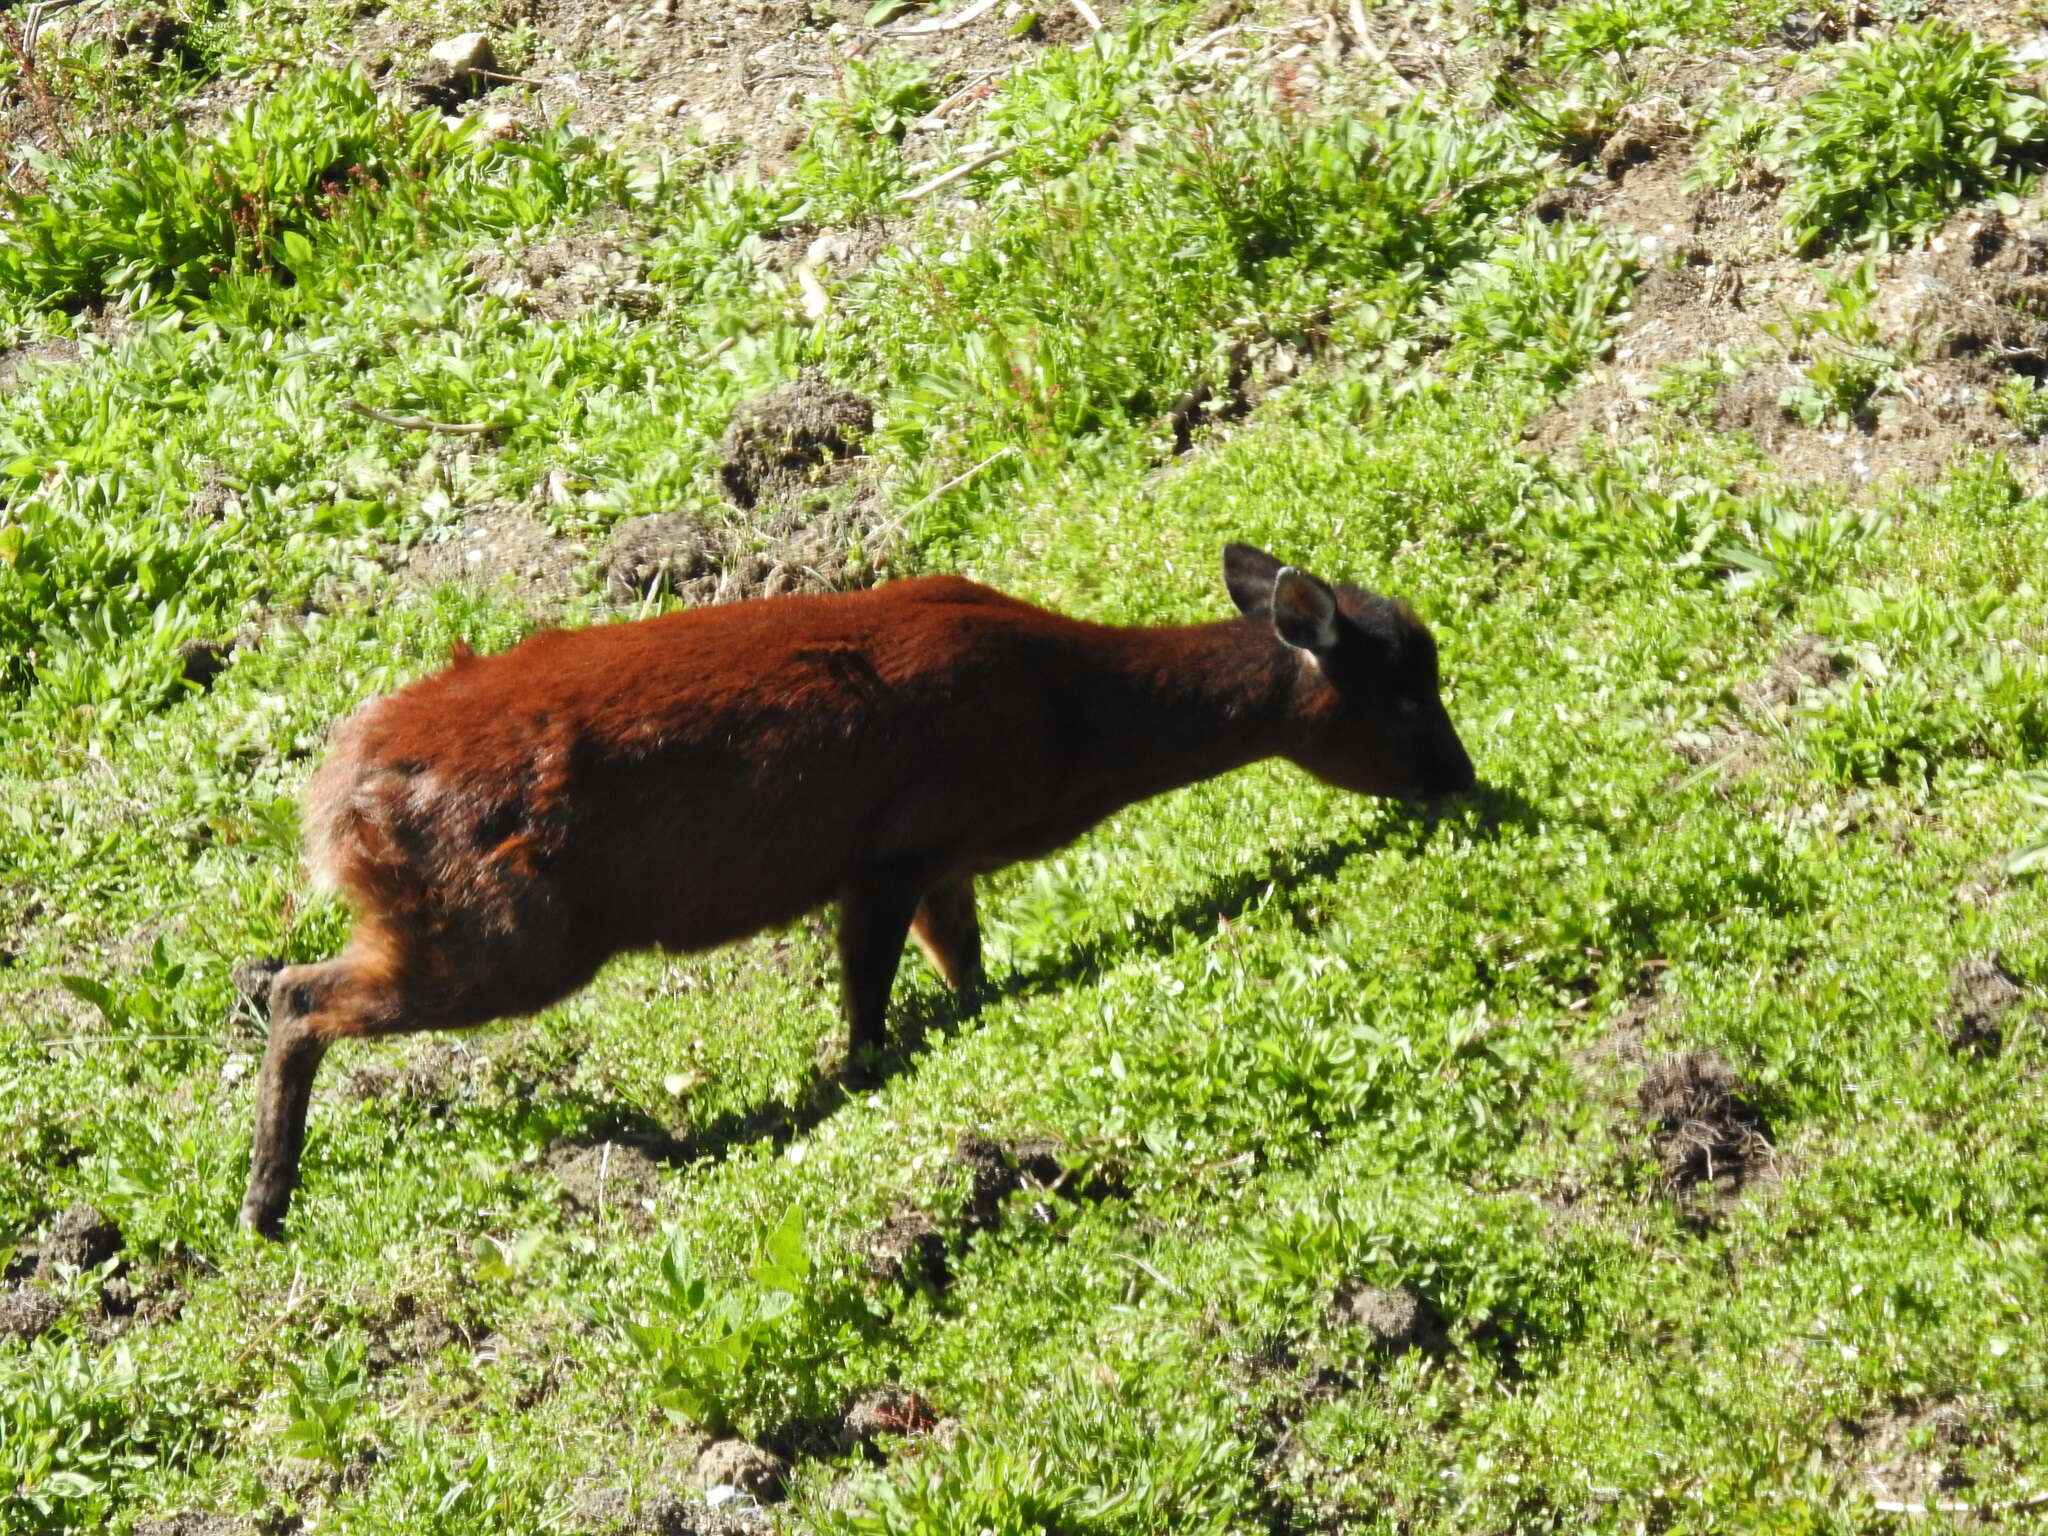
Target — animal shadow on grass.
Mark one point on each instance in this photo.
(1485, 811)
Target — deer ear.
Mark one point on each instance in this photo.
(1248, 575)
(1304, 611)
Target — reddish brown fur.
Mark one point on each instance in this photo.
(507, 824)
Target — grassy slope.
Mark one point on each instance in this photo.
(1306, 1040)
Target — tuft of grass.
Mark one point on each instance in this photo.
(1909, 125)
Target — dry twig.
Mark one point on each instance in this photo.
(947, 178)
(420, 423)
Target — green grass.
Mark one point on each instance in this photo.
(1288, 1040)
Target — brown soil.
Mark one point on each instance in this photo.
(251, 980)
(1395, 1320)
(672, 552)
(1805, 664)
(741, 74)
(1981, 993)
(434, 1075)
(18, 363)
(27, 1313)
(794, 440)
(610, 1511)
(556, 278)
(609, 1179)
(1915, 1452)
(1962, 313)
(411, 1330)
(742, 1465)
(882, 1414)
(196, 1523)
(81, 1238)
(1710, 1142)
(995, 1170)
(907, 1250)
(501, 544)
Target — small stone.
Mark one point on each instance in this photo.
(498, 123)
(714, 127)
(467, 53)
(669, 105)
(742, 1465)
(2033, 51)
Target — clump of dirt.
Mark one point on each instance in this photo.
(28, 1313)
(558, 278)
(879, 1414)
(1396, 1319)
(663, 551)
(908, 1250)
(204, 660)
(197, 1523)
(434, 1075)
(82, 1238)
(412, 1330)
(1710, 1141)
(995, 1170)
(793, 440)
(706, 566)
(160, 38)
(1981, 992)
(501, 544)
(743, 1465)
(1733, 753)
(609, 1179)
(1915, 1452)
(1805, 664)
(18, 363)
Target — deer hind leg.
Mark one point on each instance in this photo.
(383, 984)
(948, 932)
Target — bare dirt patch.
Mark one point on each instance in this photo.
(609, 1179)
(1395, 1319)
(1962, 314)
(800, 552)
(1982, 992)
(1804, 665)
(995, 1170)
(744, 73)
(197, 1523)
(555, 279)
(434, 1076)
(501, 544)
(880, 1415)
(908, 1250)
(19, 364)
(28, 1313)
(1915, 1452)
(793, 441)
(1710, 1141)
(81, 1238)
(743, 1465)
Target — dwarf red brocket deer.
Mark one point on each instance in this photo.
(506, 825)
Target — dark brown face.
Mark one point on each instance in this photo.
(1374, 720)
(1384, 730)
